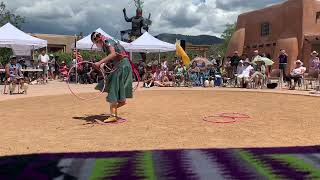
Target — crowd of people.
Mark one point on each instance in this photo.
(256, 70)
(236, 71)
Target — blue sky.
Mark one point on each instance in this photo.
(190, 17)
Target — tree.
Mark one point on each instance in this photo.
(7, 16)
(226, 36)
(16, 20)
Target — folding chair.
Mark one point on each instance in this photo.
(6, 88)
(310, 78)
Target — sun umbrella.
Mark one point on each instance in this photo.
(266, 60)
(200, 60)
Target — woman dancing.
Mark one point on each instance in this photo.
(119, 82)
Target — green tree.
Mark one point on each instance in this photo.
(7, 16)
(16, 20)
(226, 36)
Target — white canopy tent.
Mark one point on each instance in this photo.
(20, 42)
(147, 43)
(86, 43)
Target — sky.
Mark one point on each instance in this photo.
(189, 17)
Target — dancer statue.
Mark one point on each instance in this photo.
(138, 23)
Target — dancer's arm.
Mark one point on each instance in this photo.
(111, 56)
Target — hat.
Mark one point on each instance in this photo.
(299, 62)
(241, 61)
(63, 62)
(259, 59)
(247, 61)
(256, 51)
(13, 57)
(314, 52)
(51, 55)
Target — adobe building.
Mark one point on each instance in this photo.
(293, 25)
(57, 42)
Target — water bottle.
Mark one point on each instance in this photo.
(201, 80)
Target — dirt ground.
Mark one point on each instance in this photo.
(158, 120)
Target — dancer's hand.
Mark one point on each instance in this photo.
(97, 65)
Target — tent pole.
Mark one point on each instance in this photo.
(76, 50)
(159, 58)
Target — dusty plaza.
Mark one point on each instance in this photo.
(160, 90)
(157, 119)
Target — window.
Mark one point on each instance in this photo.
(265, 29)
(317, 17)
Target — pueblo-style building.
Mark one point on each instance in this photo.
(293, 25)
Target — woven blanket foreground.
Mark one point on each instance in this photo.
(265, 163)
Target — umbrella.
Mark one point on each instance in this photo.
(200, 60)
(266, 60)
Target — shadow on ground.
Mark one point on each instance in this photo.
(260, 163)
(93, 118)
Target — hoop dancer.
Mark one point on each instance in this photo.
(119, 82)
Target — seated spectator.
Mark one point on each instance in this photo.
(244, 77)
(210, 76)
(157, 75)
(314, 62)
(164, 65)
(296, 74)
(161, 80)
(260, 73)
(193, 74)
(14, 75)
(217, 75)
(179, 73)
(203, 70)
(141, 67)
(148, 79)
(227, 71)
(63, 71)
(240, 69)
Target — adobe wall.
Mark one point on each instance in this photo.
(286, 31)
(310, 26)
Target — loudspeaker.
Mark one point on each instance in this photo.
(183, 44)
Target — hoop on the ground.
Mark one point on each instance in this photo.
(73, 93)
(219, 119)
(234, 115)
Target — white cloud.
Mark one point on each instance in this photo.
(192, 17)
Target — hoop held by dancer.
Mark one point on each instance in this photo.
(119, 82)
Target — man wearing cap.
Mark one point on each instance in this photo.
(296, 74)
(244, 77)
(314, 62)
(14, 75)
(43, 62)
